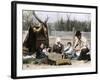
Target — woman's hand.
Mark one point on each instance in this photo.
(77, 49)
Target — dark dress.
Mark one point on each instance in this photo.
(84, 55)
(42, 58)
(58, 49)
(40, 54)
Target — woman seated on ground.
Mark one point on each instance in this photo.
(41, 55)
(81, 47)
(68, 51)
(58, 46)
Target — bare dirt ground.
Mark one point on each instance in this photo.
(75, 64)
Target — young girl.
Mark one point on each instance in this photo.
(69, 52)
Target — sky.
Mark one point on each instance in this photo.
(54, 16)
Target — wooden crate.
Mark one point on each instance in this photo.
(63, 62)
(58, 59)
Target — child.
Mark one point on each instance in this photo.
(58, 46)
(68, 51)
(46, 50)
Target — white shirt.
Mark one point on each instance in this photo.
(45, 51)
(82, 43)
(70, 49)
